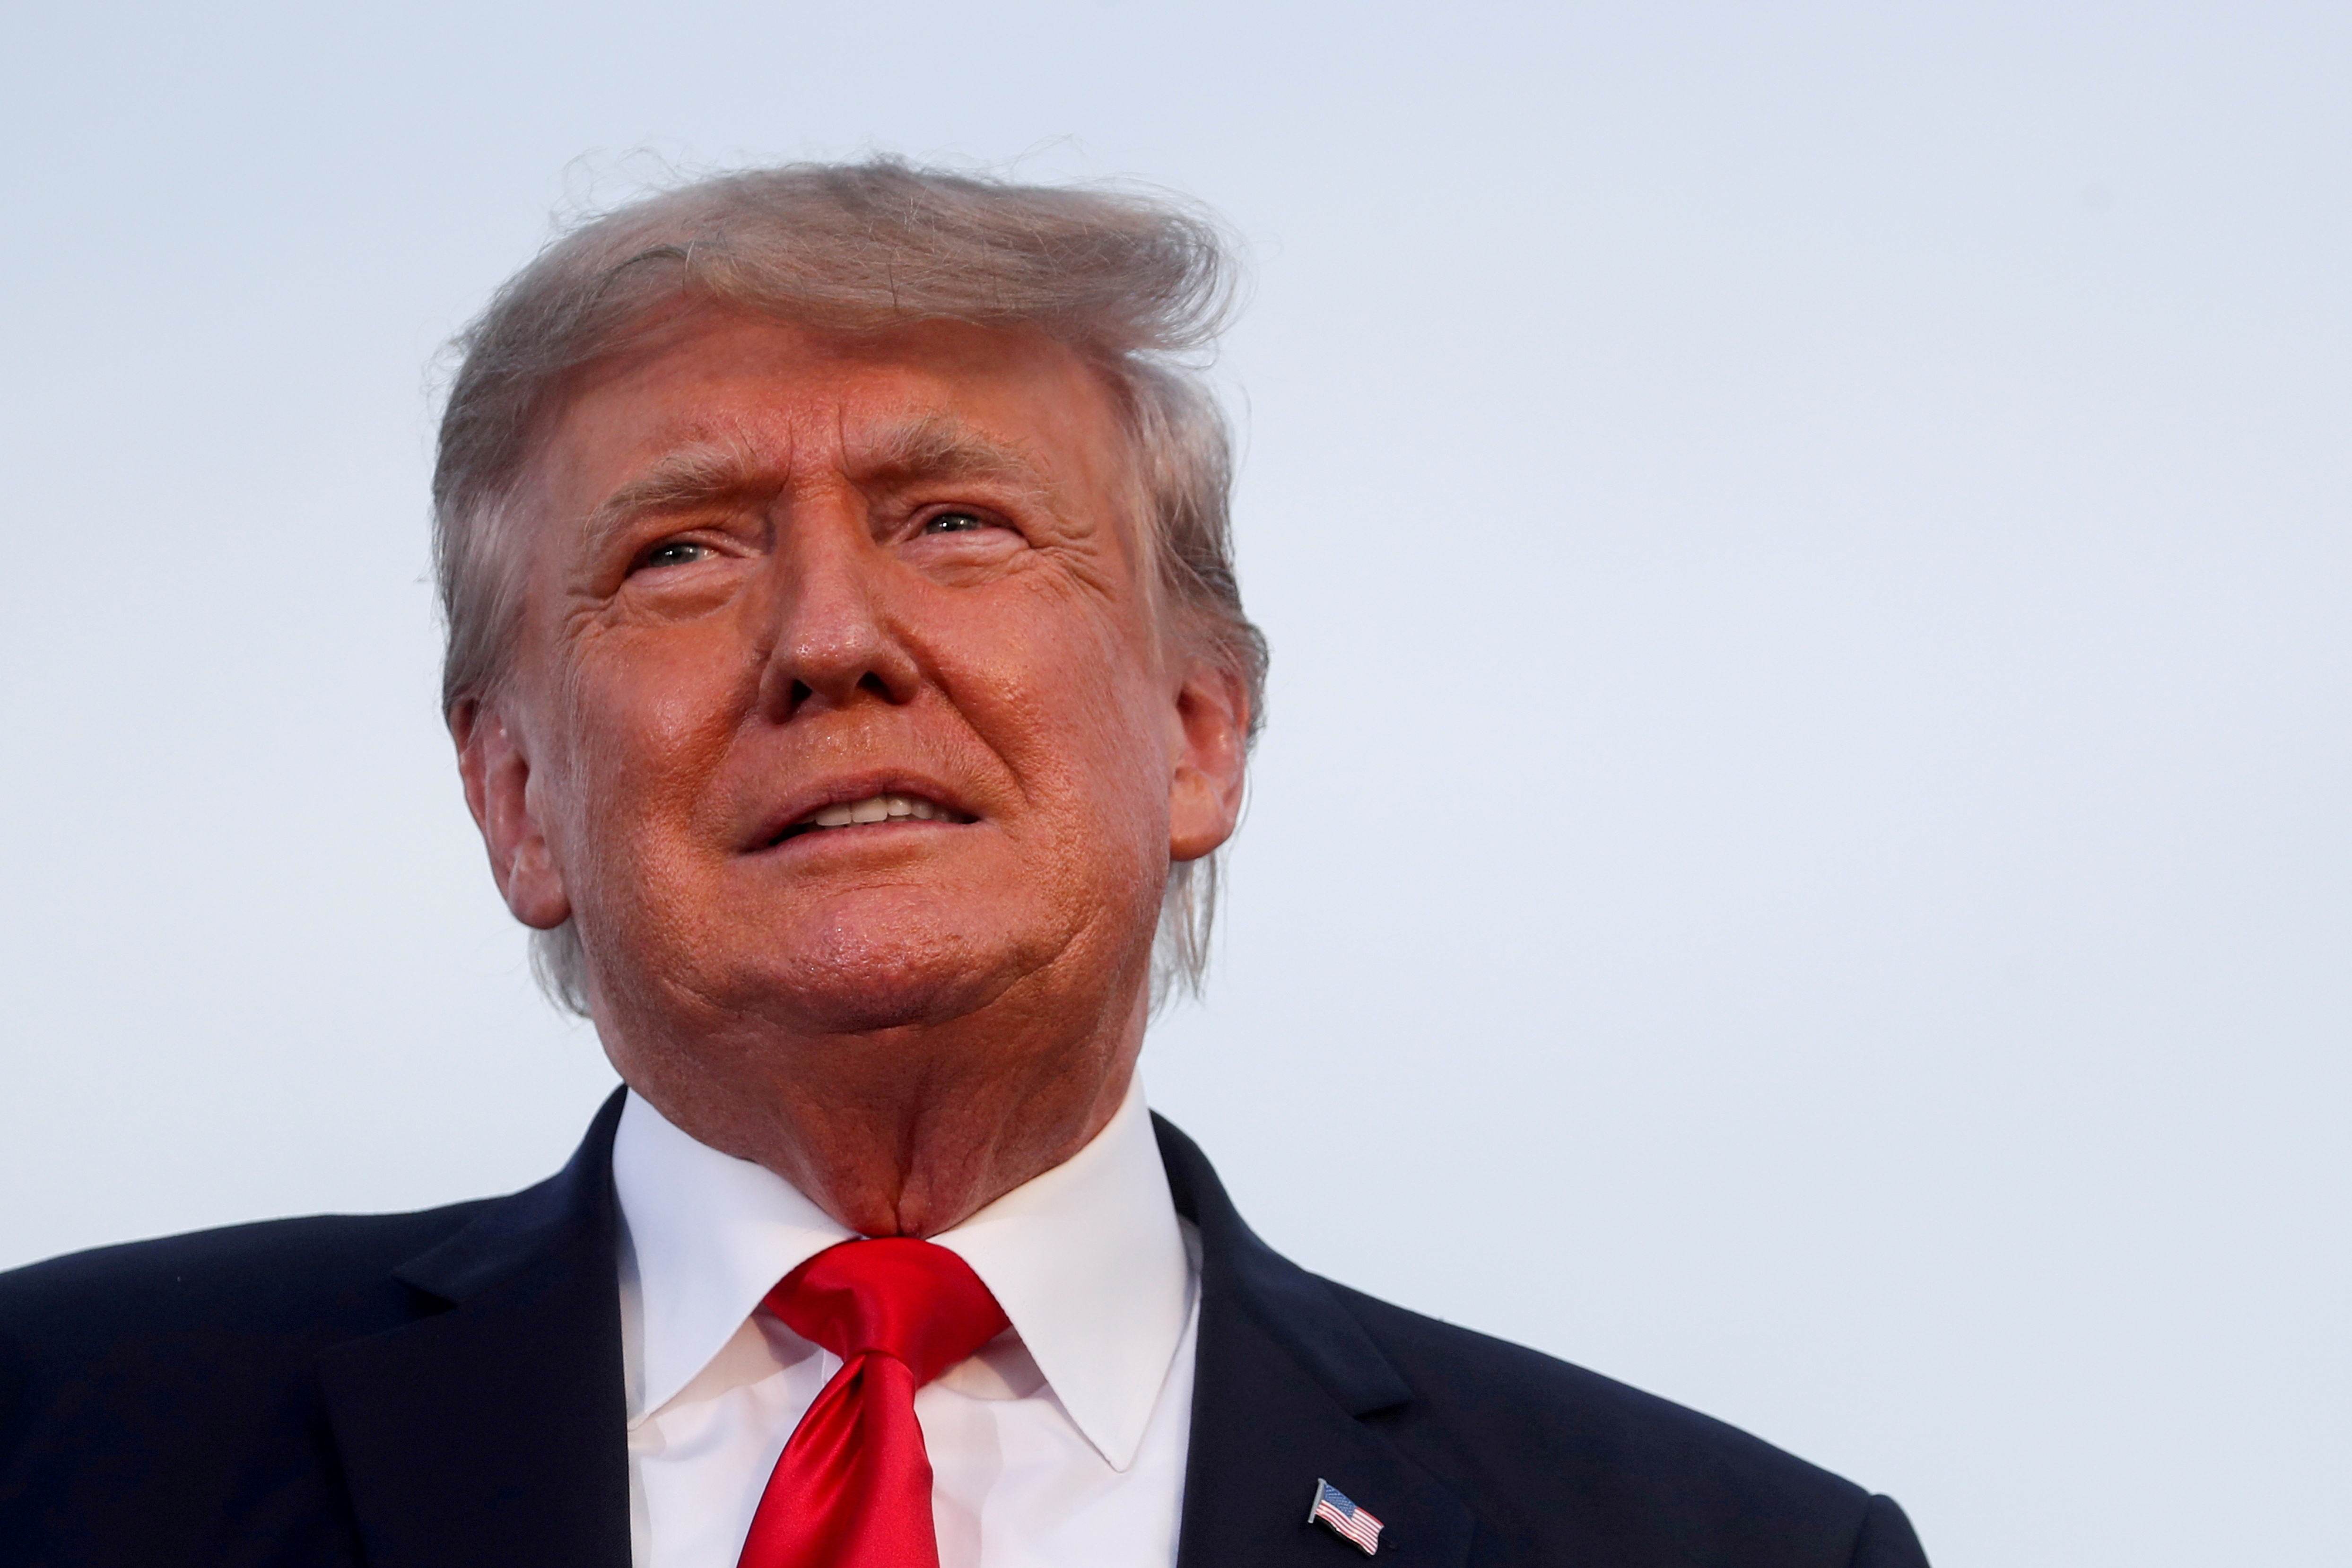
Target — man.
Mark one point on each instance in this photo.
(849, 681)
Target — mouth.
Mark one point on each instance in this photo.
(871, 811)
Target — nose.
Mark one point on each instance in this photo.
(834, 642)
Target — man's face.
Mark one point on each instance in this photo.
(779, 580)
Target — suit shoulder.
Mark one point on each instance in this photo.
(167, 1389)
(1505, 1418)
(320, 1271)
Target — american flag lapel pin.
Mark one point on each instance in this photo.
(1344, 1518)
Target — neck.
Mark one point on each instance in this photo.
(905, 1130)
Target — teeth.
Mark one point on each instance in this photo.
(882, 808)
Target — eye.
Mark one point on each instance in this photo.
(675, 552)
(955, 522)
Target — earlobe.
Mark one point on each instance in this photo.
(498, 780)
(1204, 792)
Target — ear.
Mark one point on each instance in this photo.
(498, 791)
(1204, 793)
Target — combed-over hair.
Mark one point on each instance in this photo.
(1138, 284)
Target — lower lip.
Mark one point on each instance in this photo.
(860, 832)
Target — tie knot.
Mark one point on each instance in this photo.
(910, 1299)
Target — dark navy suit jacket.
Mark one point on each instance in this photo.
(442, 1390)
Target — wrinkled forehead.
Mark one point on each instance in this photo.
(709, 399)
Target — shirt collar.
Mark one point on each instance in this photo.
(1087, 1259)
(711, 1237)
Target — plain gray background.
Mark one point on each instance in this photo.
(1801, 858)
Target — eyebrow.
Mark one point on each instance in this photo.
(928, 447)
(934, 447)
(679, 480)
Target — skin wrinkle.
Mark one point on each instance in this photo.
(908, 1021)
(729, 468)
(697, 475)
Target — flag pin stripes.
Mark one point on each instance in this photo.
(1344, 1518)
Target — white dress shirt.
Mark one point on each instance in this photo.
(1060, 1445)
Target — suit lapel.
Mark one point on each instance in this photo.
(494, 1430)
(491, 1433)
(1286, 1391)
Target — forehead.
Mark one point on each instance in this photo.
(795, 400)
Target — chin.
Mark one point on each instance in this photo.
(860, 970)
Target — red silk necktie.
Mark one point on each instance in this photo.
(854, 1487)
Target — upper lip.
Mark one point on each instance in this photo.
(809, 799)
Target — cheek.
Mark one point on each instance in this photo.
(651, 729)
(1095, 725)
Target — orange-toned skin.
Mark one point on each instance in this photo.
(771, 568)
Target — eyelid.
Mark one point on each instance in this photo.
(925, 516)
(643, 556)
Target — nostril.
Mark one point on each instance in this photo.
(800, 695)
